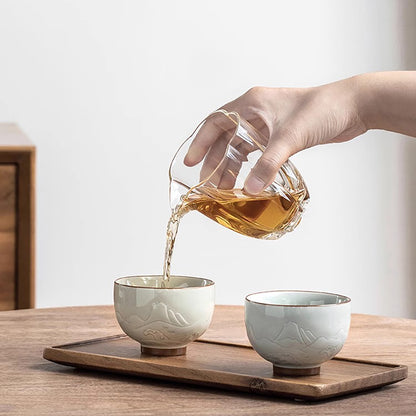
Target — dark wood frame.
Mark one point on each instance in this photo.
(16, 149)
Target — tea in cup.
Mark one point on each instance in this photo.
(164, 318)
(297, 331)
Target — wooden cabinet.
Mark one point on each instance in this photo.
(17, 189)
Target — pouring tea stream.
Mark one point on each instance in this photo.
(214, 186)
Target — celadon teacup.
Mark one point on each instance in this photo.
(164, 318)
(297, 331)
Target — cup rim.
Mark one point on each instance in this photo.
(346, 299)
(210, 282)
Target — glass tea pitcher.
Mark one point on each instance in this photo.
(224, 149)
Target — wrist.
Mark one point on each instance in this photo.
(365, 90)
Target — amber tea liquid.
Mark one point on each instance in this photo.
(257, 216)
(171, 232)
(261, 216)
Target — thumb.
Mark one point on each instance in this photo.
(265, 170)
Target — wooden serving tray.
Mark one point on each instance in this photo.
(227, 366)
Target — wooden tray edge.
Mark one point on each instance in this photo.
(230, 381)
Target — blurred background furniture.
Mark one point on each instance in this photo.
(17, 189)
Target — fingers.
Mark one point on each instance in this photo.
(215, 140)
(247, 106)
(229, 175)
(230, 171)
(265, 170)
(209, 132)
(212, 159)
(223, 162)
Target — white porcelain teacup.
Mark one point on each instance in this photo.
(297, 331)
(164, 319)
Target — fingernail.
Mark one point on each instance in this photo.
(254, 185)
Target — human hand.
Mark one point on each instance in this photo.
(291, 120)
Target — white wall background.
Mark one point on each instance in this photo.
(107, 90)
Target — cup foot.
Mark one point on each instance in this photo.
(284, 371)
(162, 352)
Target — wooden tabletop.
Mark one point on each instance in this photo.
(30, 385)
